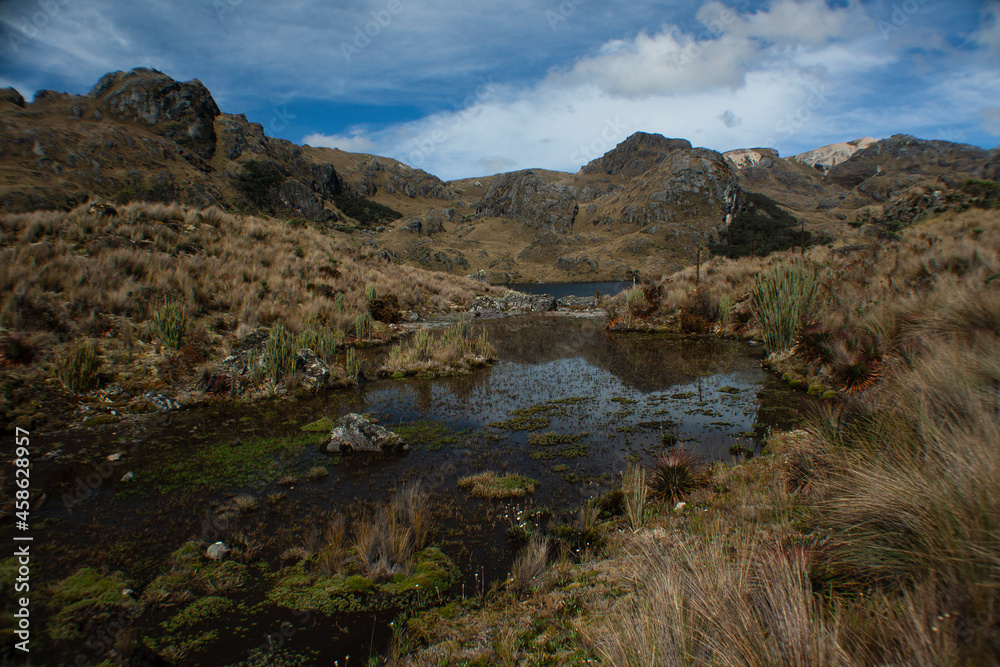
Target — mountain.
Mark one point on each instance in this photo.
(646, 206)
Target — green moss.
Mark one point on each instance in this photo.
(829, 394)
(680, 396)
(198, 611)
(324, 425)
(83, 599)
(432, 570)
(253, 463)
(729, 390)
(816, 390)
(434, 435)
(299, 589)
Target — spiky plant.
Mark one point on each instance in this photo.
(80, 371)
(780, 300)
(675, 474)
(279, 354)
(15, 350)
(170, 321)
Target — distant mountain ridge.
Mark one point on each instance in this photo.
(646, 206)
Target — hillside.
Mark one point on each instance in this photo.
(644, 208)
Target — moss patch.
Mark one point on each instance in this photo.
(432, 570)
(323, 425)
(83, 601)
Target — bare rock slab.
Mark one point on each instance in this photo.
(355, 433)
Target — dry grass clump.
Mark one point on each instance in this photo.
(455, 349)
(385, 541)
(529, 564)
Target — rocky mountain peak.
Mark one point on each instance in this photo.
(183, 112)
(526, 196)
(636, 155)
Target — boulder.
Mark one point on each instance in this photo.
(216, 551)
(355, 433)
(315, 370)
(479, 276)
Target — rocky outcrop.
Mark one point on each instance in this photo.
(577, 263)
(394, 177)
(689, 184)
(297, 197)
(431, 223)
(636, 155)
(11, 96)
(355, 433)
(526, 197)
(895, 164)
(825, 157)
(182, 112)
(572, 302)
(513, 303)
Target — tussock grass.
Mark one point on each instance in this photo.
(490, 485)
(455, 349)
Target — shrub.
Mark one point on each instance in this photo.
(698, 312)
(385, 309)
(15, 350)
(365, 211)
(170, 321)
(80, 372)
(780, 301)
(762, 227)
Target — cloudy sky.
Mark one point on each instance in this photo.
(472, 88)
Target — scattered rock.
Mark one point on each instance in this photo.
(355, 433)
(315, 370)
(161, 402)
(479, 276)
(216, 551)
(128, 477)
(513, 303)
(117, 456)
(573, 302)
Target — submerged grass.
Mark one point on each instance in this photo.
(490, 485)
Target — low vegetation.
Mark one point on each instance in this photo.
(454, 350)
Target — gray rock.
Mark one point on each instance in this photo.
(576, 263)
(479, 276)
(513, 302)
(216, 551)
(354, 433)
(316, 371)
(297, 197)
(573, 302)
(164, 403)
(527, 198)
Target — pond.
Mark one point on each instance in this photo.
(595, 402)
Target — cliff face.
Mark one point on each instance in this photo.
(526, 197)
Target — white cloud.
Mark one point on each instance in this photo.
(989, 35)
(771, 77)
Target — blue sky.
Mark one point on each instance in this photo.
(466, 89)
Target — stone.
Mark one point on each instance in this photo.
(299, 198)
(128, 477)
(355, 433)
(315, 370)
(216, 551)
(117, 456)
(161, 402)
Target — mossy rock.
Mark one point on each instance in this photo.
(432, 571)
(829, 394)
(816, 390)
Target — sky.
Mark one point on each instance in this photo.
(464, 89)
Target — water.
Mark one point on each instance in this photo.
(623, 396)
(559, 290)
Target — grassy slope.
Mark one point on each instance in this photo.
(71, 277)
